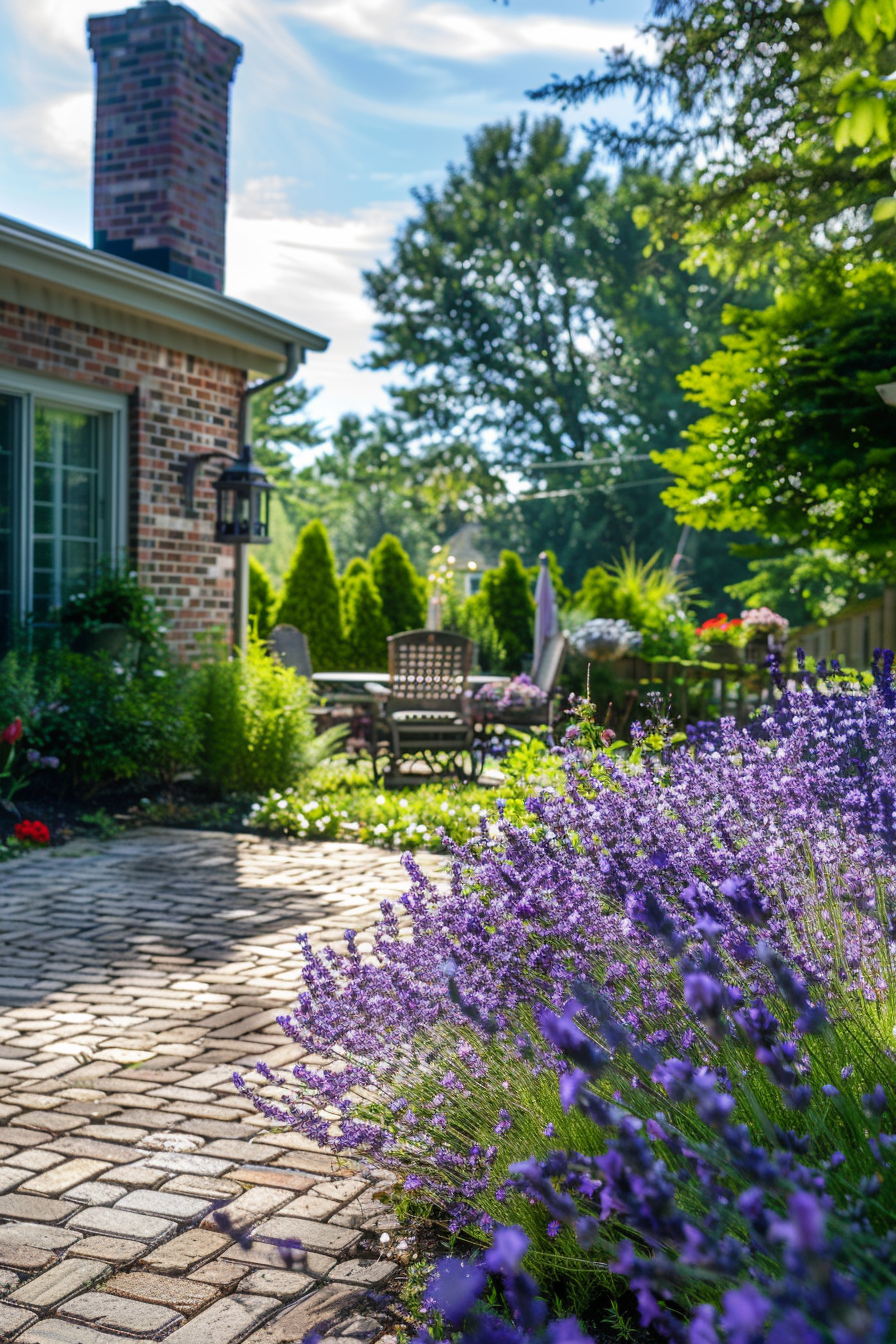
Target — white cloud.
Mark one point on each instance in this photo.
(454, 31)
(308, 269)
(57, 134)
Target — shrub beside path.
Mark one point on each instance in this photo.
(135, 975)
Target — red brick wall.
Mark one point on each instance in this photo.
(179, 404)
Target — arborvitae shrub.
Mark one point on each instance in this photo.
(473, 618)
(262, 598)
(507, 593)
(365, 627)
(399, 586)
(310, 598)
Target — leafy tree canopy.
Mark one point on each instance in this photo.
(521, 306)
(797, 443)
(775, 119)
(280, 427)
(374, 479)
(806, 584)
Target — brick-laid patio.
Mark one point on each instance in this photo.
(135, 975)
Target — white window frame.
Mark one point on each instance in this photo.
(31, 389)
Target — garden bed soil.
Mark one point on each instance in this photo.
(108, 812)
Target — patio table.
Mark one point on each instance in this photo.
(360, 679)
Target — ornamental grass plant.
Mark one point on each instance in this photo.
(652, 1028)
(255, 729)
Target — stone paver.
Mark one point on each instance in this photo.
(182, 1295)
(124, 1315)
(135, 976)
(12, 1319)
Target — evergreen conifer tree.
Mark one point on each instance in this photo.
(399, 586)
(310, 599)
(508, 594)
(262, 598)
(365, 626)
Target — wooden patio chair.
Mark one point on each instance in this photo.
(428, 711)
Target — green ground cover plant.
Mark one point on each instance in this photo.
(340, 801)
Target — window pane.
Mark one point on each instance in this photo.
(7, 408)
(66, 492)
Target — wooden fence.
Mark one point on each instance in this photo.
(853, 634)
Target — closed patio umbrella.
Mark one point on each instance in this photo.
(434, 610)
(546, 616)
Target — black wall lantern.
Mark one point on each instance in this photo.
(243, 502)
(243, 496)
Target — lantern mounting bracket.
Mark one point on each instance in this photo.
(188, 467)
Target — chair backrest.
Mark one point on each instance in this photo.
(550, 664)
(291, 647)
(428, 669)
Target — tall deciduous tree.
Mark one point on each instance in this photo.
(776, 119)
(310, 599)
(797, 443)
(521, 306)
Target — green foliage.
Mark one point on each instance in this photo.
(253, 722)
(280, 427)
(338, 801)
(646, 594)
(521, 304)
(474, 619)
(262, 598)
(806, 585)
(365, 625)
(108, 724)
(354, 569)
(399, 586)
(310, 598)
(779, 130)
(507, 594)
(797, 443)
(115, 597)
(19, 688)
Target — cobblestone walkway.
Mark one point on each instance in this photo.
(135, 975)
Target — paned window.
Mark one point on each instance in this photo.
(62, 495)
(7, 431)
(66, 531)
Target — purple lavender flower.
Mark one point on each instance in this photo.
(454, 1287)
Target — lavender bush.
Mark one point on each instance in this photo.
(672, 996)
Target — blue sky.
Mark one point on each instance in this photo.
(339, 108)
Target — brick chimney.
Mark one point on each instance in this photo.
(160, 151)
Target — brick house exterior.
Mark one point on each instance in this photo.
(114, 367)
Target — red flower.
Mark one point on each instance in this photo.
(32, 833)
(13, 732)
(718, 623)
